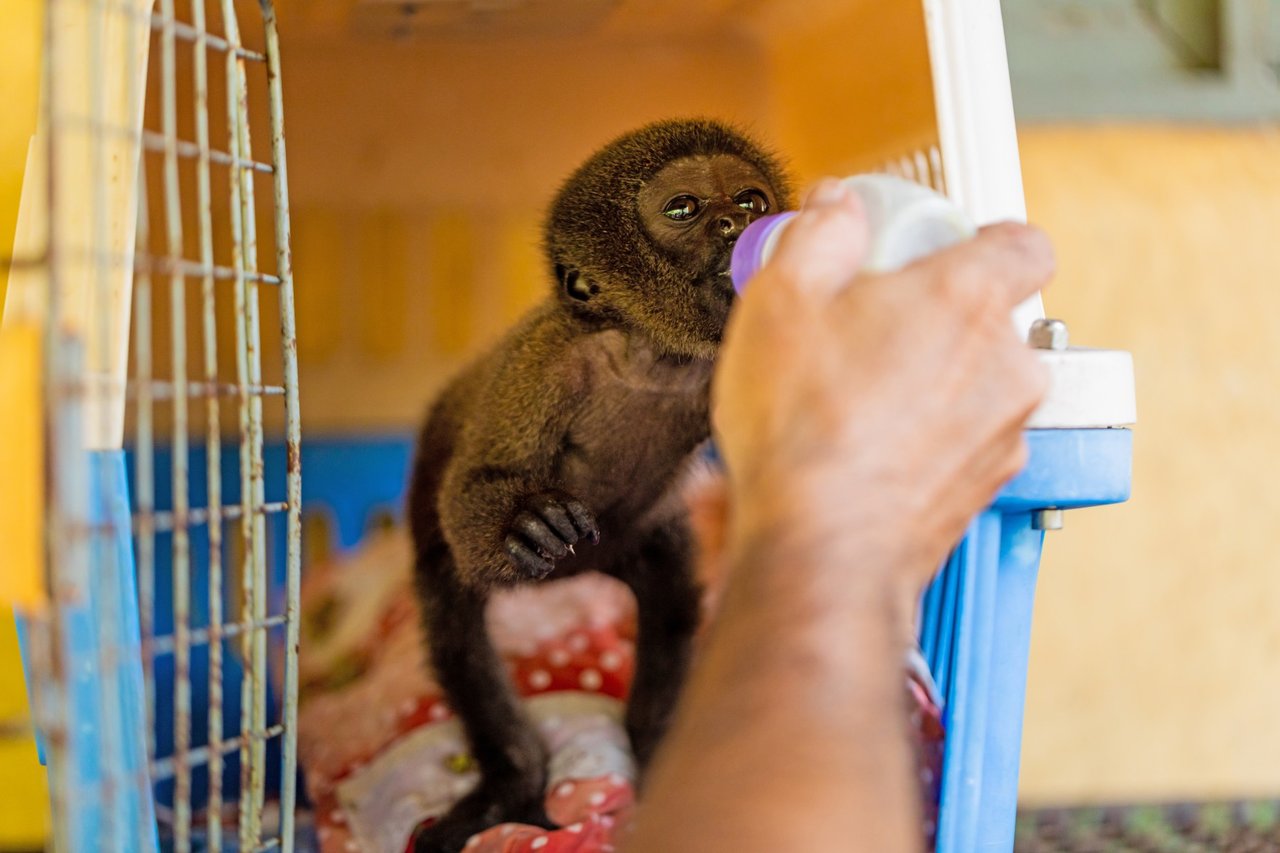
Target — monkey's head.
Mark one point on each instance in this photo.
(641, 234)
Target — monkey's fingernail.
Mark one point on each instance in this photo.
(571, 551)
(827, 191)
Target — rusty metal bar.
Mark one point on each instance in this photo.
(195, 151)
(181, 565)
(164, 768)
(163, 390)
(187, 32)
(15, 728)
(248, 370)
(62, 441)
(165, 266)
(23, 262)
(199, 636)
(293, 430)
(150, 140)
(163, 521)
(213, 435)
(144, 459)
(182, 31)
(49, 712)
(193, 269)
(103, 583)
(166, 520)
(189, 268)
(245, 816)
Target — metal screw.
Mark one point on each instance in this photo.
(1048, 334)
(1046, 519)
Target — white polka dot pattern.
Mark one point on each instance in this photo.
(590, 679)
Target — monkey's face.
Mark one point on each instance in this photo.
(641, 235)
(694, 210)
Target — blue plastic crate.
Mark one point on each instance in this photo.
(976, 627)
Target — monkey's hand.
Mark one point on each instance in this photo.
(545, 528)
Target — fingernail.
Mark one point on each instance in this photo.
(827, 191)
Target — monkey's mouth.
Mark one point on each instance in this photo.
(717, 283)
(723, 268)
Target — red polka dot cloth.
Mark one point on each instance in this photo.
(381, 749)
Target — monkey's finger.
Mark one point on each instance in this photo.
(583, 519)
(525, 561)
(557, 517)
(537, 532)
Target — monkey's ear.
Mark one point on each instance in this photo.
(575, 284)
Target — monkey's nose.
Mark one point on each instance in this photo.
(727, 226)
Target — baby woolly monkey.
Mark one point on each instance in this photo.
(560, 449)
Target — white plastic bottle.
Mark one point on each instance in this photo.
(906, 221)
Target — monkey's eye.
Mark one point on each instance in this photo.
(753, 200)
(682, 208)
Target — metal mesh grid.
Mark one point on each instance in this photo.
(83, 272)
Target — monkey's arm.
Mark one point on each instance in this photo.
(501, 508)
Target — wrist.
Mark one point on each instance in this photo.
(845, 557)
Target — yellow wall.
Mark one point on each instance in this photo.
(1156, 643)
(24, 816)
(20, 36)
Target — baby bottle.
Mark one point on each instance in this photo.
(906, 221)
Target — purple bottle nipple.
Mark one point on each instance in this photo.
(748, 253)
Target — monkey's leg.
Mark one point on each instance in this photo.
(667, 606)
(510, 755)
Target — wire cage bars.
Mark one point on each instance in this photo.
(140, 219)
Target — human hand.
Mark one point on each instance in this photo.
(858, 411)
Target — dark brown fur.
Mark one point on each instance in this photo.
(583, 416)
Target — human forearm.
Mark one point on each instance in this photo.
(863, 421)
(791, 734)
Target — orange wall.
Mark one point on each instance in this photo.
(419, 175)
(852, 88)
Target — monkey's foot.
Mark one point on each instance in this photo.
(475, 813)
(545, 529)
